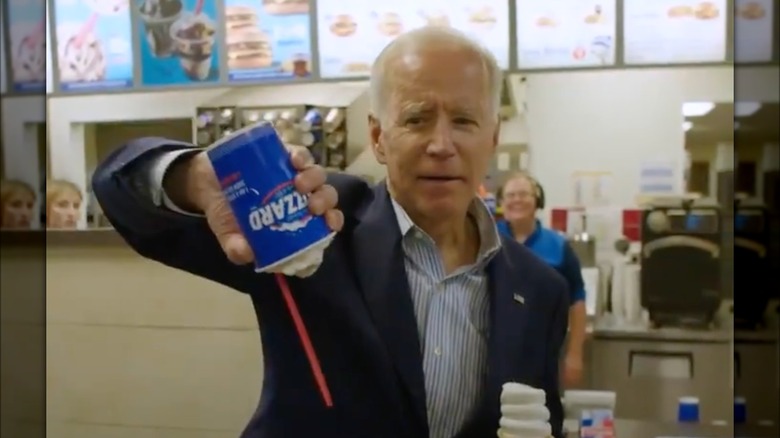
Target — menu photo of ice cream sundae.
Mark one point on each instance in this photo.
(158, 16)
(29, 53)
(180, 41)
(80, 54)
(194, 38)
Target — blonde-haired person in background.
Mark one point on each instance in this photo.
(17, 201)
(520, 197)
(63, 204)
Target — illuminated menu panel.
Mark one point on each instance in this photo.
(674, 31)
(27, 44)
(268, 40)
(352, 33)
(49, 58)
(753, 30)
(3, 71)
(565, 33)
(94, 48)
(178, 40)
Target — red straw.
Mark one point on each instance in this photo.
(198, 7)
(311, 355)
(82, 35)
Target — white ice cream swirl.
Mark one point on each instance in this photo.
(524, 413)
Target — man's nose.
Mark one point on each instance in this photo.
(441, 140)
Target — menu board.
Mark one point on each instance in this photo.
(753, 30)
(267, 40)
(3, 71)
(674, 31)
(178, 41)
(94, 50)
(565, 33)
(49, 58)
(27, 44)
(352, 33)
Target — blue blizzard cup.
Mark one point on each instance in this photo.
(256, 176)
(688, 410)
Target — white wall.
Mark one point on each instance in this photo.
(579, 121)
(3, 70)
(612, 121)
(69, 114)
(20, 137)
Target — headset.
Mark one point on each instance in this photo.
(538, 189)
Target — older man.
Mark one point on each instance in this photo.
(420, 310)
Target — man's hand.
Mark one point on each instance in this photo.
(572, 370)
(197, 186)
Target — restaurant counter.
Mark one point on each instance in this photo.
(651, 429)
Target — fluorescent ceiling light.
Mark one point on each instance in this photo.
(687, 125)
(745, 109)
(697, 109)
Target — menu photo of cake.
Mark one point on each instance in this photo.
(178, 42)
(94, 50)
(268, 40)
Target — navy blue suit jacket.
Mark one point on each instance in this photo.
(357, 308)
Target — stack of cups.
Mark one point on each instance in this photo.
(524, 413)
(688, 410)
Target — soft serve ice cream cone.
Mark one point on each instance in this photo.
(523, 412)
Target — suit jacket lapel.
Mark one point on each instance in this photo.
(381, 273)
(507, 323)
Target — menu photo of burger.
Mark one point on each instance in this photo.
(482, 19)
(267, 40)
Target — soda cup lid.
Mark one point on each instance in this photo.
(689, 400)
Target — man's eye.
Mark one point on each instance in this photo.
(463, 121)
(414, 121)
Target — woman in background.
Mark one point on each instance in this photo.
(520, 197)
(63, 204)
(17, 201)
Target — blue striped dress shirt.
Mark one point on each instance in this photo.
(452, 312)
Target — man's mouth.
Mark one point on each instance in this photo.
(440, 178)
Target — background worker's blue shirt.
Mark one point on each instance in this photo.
(552, 247)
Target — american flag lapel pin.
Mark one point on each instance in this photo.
(518, 298)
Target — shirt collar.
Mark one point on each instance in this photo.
(489, 237)
(506, 228)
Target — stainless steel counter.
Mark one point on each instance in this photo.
(648, 429)
(663, 334)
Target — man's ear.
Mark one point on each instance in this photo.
(375, 132)
(497, 134)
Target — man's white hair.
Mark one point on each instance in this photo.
(420, 37)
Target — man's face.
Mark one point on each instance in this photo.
(439, 132)
(518, 200)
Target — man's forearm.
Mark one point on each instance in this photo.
(578, 320)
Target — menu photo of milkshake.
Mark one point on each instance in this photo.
(566, 33)
(268, 40)
(94, 50)
(26, 20)
(178, 42)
